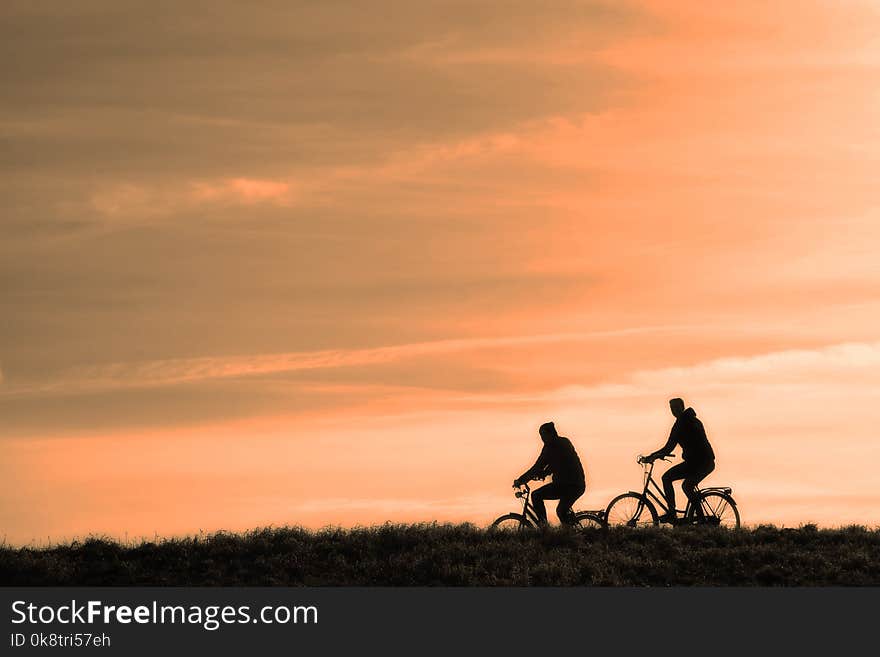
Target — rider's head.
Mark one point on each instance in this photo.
(547, 431)
(676, 406)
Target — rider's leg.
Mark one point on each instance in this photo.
(689, 485)
(548, 492)
(673, 474)
(567, 499)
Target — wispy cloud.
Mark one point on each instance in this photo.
(170, 372)
(133, 202)
(847, 365)
(245, 190)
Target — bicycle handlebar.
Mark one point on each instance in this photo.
(643, 460)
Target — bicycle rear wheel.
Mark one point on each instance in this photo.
(587, 520)
(719, 509)
(511, 522)
(631, 510)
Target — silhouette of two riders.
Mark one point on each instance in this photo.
(698, 458)
(557, 458)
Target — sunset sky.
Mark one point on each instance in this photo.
(334, 263)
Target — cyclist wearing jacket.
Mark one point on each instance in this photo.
(559, 458)
(696, 453)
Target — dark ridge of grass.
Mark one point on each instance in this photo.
(462, 555)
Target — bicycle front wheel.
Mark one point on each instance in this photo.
(512, 522)
(631, 510)
(587, 520)
(719, 510)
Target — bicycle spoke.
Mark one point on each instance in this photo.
(720, 511)
(629, 511)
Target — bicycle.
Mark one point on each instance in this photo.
(635, 509)
(528, 519)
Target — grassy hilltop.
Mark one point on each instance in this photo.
(463, 555)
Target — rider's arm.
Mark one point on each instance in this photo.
(539, 469)
(666, 450)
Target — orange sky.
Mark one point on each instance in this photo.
(325, 265)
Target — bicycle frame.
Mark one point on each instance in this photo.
(704, 506)
(657, 496)
(528, 511)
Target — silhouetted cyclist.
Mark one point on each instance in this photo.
(698, 459)
(559, 458)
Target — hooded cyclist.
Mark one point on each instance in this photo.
(698, 459)
(559, 458)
